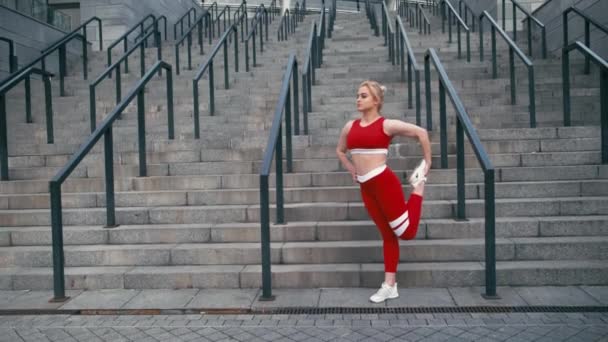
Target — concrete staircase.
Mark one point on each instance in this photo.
(194, 222)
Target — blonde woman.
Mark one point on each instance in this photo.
(367, 139)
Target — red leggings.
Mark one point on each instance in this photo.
(395, 218)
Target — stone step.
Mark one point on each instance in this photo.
(431, 229)
(441, 274)
(318, 211)
(288, 253)
(298, 195)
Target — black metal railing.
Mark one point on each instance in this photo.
(287, 25)
(447, 10)
(422, 21)
(588, 20)
(209, 66)
(464, 126)
(389, 33)
(118, 83)
(313, 60)
(603, 68)
(513, 50)
(13, 62)
(223, 16)
(467, 10)
(124, 38)
(404, 47)
(60, 46)
(239, 15)
(274, 9)
(202, 23)
(214, 18)
(529, 18)
(23, 75)
(104, 130)
(191, 12)
(274, 148)
(260, 20)
(332, 17)
(415, 15)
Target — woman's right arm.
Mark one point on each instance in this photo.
(341, 151)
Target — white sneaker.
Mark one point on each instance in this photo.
(385, 292)
(417, 176)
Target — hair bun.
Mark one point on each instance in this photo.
(383, 88)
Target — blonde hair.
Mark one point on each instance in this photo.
(377, 91)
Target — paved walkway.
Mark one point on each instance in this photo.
(196, 315)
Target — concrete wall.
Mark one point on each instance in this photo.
(119, 16)
(30, 36)
(551, 15)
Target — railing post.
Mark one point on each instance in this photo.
(142, 60)
(459, 41)
(460, 205)
(3, 139)
(532, 96)
(62, 70)
(409, 83)
(443, 127)
(468, 46)
(296, 101)
(226, 81)
(109, 170)
(57, 237)
(588, 44)
(481, 39)
(236, 50)
(418, 115)
(92, 108)
(503, 16)
(170, 119)
(544, 42)
(490, 235)
(85, 50)
(48, 102)
(288, 131)
(197, 134)
(279, 178)
(604, 113)
(177, 68)
(494, 63)
(211, 90)
(265, 237)
(141, 133)
(28, 100)
(247, 55)
(530, 36)
(449, 24)
(427, 79)
(189, 49)
(514, 22)
(566, 85)
(512, 74)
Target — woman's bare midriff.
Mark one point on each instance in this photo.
(364, 163)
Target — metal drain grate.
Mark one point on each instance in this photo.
(430, 310)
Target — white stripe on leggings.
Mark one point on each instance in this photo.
(395, 223)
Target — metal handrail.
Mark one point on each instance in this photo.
(286, 26)
(13, 63)
(451, 12)
(240, 13)
(467, 9)
(415, 16)
(180, 22)
(105, 130)
(209, 66)
(530, 18)
(164, 19)
(464, 126)
(223, 14)
(61, 46)
(423, 25)
(118, 85)
(198, 24)
(588, 20)
(275, 148)
(603, 66)
(124, 38)
(261, 17)
(322, 33)
(404, 47)
(332, 17)
(15, 80)
(513, 49)
(273, 8)
(308, 74)
(213, 18)
(389, 33)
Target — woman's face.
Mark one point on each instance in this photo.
(365, 100)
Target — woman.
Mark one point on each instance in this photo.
(368, 139)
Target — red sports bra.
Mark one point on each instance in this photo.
(370, 139)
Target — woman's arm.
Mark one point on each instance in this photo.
(341, 151)
(398, 127)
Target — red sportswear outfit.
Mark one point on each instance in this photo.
(382, 193)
